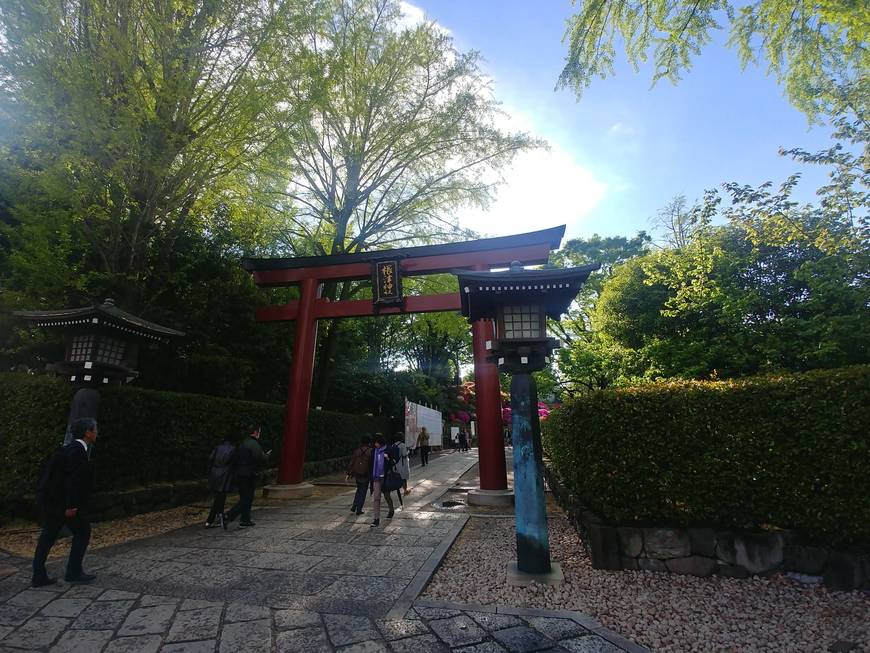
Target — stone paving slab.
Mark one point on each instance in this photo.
(309, 577)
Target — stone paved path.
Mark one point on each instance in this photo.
(310, 576)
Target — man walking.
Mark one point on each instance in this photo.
(63, 493)
(423, 445)
(250, 460)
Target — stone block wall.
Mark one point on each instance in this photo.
(116, 504)
(708, 551)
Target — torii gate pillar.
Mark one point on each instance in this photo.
(490, 438)
(289, 482)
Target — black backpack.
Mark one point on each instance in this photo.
(395, 453)
(362, 463)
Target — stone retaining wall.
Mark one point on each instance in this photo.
(708, 551)
(157, 496)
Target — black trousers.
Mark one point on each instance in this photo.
(246, 485)
(424, 455)
(218, 502)
(81, 530)
(359, 499)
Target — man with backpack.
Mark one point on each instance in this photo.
(360, 467)
(63, 492)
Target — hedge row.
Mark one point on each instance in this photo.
(147, 436)
(789, 452)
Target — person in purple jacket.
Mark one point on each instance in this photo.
(379, 470)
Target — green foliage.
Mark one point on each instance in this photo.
(812, 47)
(384, 392)
(789, 452)
(123, 123)
(583, 361)
(134, 139)
(148, 436)
(435, 344)
(779, 287)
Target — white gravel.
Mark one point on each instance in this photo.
(663, 612)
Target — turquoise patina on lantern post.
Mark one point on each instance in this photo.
(520, 301)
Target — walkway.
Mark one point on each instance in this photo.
(311, 576)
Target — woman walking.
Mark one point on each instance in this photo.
(221, 476)
(404, 463)
(380, 463)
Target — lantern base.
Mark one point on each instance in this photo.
(478, 497)
(522, 579)
(295, 491)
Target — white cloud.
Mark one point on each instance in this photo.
(514, 120)
(543, 188)
(621, 129)
(413, 15)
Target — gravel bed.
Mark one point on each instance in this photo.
(663, 612)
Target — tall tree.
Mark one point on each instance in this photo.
(676, 222)
(811, 46)
(401, 131)
(121, 122)
(578, 365)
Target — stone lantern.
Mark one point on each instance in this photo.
(101, 348)
(520, 301)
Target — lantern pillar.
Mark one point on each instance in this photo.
(533, 543)
(289, 483)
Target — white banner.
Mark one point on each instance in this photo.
(416, 417)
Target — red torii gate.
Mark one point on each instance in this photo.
(310, 272)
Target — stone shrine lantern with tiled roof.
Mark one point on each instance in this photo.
(102, 341)
(520, 301)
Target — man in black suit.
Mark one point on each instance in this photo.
(63, 493)
(250, 460)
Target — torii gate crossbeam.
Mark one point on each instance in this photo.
(310, 272)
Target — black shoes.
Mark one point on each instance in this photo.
(43, 581)
(375, 523)
(360, 512)
(390, 514)
(219, 521)
(246, 524)
(81, 579)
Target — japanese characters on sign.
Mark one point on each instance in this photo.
(387, 283)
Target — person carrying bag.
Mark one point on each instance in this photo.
(360, 468)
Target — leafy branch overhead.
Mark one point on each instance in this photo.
(810, 47)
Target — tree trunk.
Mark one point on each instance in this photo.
(329, 347)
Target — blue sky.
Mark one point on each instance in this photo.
(625, 149)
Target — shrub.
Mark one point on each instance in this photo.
(789, 451)
(148, 436)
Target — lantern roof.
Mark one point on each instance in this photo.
(106, 314)
(483, 293)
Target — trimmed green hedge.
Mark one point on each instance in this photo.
(789, 452)
(148, 436)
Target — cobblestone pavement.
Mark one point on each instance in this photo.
(310, 576)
